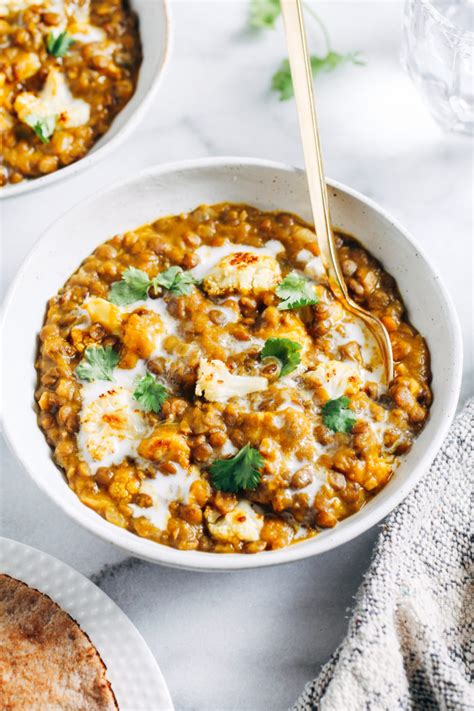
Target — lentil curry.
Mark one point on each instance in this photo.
(201, 387)
(67, 67)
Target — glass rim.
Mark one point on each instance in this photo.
(428, 4)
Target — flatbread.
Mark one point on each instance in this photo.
(46, 660)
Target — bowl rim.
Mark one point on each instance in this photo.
(92, 157)
(204, 561)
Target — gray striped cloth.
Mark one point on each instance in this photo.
(409, 643)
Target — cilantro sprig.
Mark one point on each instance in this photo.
(337, 416)
(58, 44)
(150, 393)
(295, 291)
(282, 81)
(135, 285)
(239, 472)
(263, 15)
(176, 280)
(288, 352)
(98, 363)
(43, 126)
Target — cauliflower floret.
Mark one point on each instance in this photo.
(103, 312)
(335, 378)
(26, 64)
(242, 523)
(217, 384)
(111, 427)
(143, 332)
(55, 99)
(315, 269)
(244, 273)
(81, 30)
(165, 444)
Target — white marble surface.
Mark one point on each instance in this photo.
(249, 641)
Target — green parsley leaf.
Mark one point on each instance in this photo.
(295, 291)
(332, 60)
(42, 126)
(264, 13)
(175, 280)
(98, 363)
(336, 415)
(239, 472)
(135, 284)
(132, 287)
(285, 350)
(150, 393)
(58, 44)
(281, 80)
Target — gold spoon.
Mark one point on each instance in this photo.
(304, 95)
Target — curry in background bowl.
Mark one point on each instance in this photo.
(201, 387)
(67, 68)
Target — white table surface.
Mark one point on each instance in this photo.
(250, 640)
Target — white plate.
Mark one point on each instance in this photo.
(175, 188)
(132, 670)
(155, 35)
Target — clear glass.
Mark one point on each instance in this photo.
(438, 53)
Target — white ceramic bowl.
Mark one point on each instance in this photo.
(155, 34)
(180, 187)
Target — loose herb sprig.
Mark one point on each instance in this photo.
(288, 352)
(239, 472)
(135, 285)
(282, 81)
(263, 15)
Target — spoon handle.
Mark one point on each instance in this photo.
(304, 95)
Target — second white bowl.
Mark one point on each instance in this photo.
(155, 35)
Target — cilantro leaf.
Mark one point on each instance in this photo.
(281, 80)
(336, 415)
(332, 60)
(150, 393)
(295, 291)
(135, 284)
(263, 13)
(175, 280)
(285, 350)
(43, 126)
(132, 287)
(98, 363)
(239, 472)
(58, 44)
